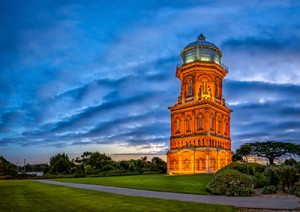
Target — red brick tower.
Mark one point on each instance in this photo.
(200, 121)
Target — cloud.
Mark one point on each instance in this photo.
(74, 73)
(263, 111)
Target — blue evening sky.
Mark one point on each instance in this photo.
(99, 75)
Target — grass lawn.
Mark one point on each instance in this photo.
(192, 184)
(26, 195)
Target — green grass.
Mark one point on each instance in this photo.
(192, 184)
(26, 195)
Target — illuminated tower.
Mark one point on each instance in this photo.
(200, 121)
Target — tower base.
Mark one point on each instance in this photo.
(201, 160)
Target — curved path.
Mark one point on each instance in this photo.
(242, 202)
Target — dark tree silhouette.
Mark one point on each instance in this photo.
(270, 150)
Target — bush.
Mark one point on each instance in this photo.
(297, 189)
(287, 178)
(297, 193)
(238, 190)
(261, 180)
(290, 162)
(246, 168)
(222, 181)
(269, 190)
(107, 168)
(272, 174)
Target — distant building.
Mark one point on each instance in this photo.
(200, 121)
(33, 173)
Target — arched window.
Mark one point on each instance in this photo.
(217, 90)
(200, 122)
(213, 164)
(212, 122)
(219, 124)
(225, 128)
(188, 124)
(177, 125)
(186, 164)
(189, 88)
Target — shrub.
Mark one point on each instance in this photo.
(107, 168)
(272, 174)
(287, 178)
(261, 180)
(238, 190)
(297, 193)
(290, 162)
(297, 189)
(246, 168)
(222, 181)
(269, 190)
(116, 172)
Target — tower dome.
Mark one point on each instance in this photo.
(201, 50)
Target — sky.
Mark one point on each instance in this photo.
(100, 75)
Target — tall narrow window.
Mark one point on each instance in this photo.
(189, 88)
(177, 123)
(219, 124)
(188, 124)
(212, 121)
(200, 121)
(217, 90)
(225, 128)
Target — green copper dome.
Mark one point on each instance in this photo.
(201, 50)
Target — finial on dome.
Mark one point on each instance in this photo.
(201, 37)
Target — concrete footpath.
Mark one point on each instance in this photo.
(242, 202)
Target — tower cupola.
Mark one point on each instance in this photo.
(201, 50)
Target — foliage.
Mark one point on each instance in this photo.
(238, 190)
(287, 178)
(244, 150)
(246, 168)
(236, 157)
(99, 164)
(7, 168)
(60, 164)
(297, 189)
(222, 181)
(25, 195)
(269, 189)
(261, 180)
(98, 160)
(271, 173)
(270, 149)
(290, 162)
(158, 165)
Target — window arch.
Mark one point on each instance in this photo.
(200, 121)
(226, 128)
(219, 125)
(177, 124)
(188, 123)
(212, 122)
(189, 87)
(218, 85)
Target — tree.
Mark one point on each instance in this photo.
(244, 151)
(160, 164)
(236, 157)
(84, 157)
(2, 171)
(7, 168)
(60, 164)
(271, 149)
(98, 160)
